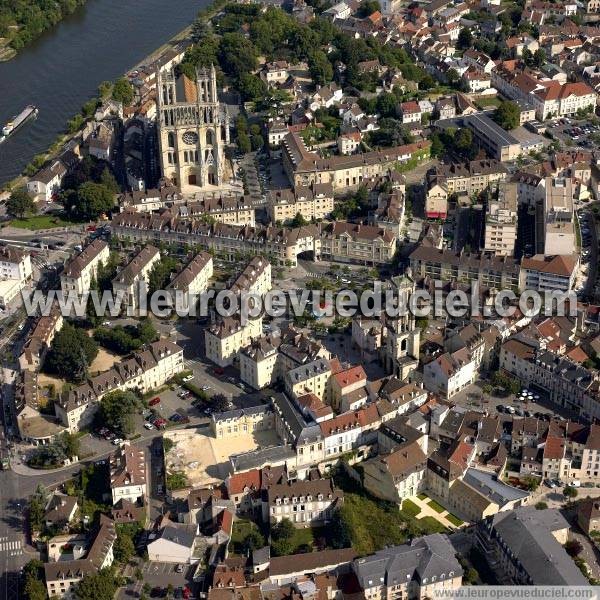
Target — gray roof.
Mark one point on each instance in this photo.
(423, 558)
(239, 412)
(184, 535)
(255, 459)
(301, 429)
(309, 370)
(487, 484)
(260, 556)
(527, 533)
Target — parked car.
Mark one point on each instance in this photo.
(188, 378)
(148, 426)
(154, 401)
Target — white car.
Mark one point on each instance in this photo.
(148, 426)
(205, 388)
(117, 441)
(188, 378)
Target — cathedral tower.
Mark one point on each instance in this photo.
(192, 131)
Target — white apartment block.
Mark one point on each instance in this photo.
(559, 226)
(449, 373)
(192, 280)
(501, 221)
(83, 268)
(224, 339)
(129, 280)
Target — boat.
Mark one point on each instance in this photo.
(29, 112)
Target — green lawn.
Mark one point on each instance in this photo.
(485, 102)
(437, 507)
(39, 222)
(422, 496)
(410, 508)
(432, 525)
(454, 519)
(241, 528)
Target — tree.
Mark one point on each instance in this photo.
(539, 58)
(574, 547)
(527, 57)
(124, 548)
(37, 508)
(541, 505)
(20, 203)
(97, 586)
(507, 115)
(90, 201)
(123, 91)
(452, 77)
(117, 409)
(298, 221)
(237, 55)
(251, 87)
(386, 105)
(283, 529)
(69, 444)
(252, 542)
(161, 273)
(471, 576)
(465, 39)
(368, 7)
(71, 353)
(34, 588)
(320, 68)
(570, 492)
(107, 179)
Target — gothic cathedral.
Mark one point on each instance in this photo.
(192, 131)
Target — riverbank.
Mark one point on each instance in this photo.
(58, 146)
(27, 27)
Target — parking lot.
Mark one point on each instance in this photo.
(579, 133)
(159, 576)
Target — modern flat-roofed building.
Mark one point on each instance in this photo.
(559, 226)
(543, 273)
(501, 221)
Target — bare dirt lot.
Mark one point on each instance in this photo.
(205, 459)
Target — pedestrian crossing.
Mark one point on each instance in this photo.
(11, 547)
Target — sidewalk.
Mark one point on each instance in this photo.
(428, 511)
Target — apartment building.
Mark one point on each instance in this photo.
(229, 210)
(62, 575)
(80, 270)
(255, 278)
(309, 503)
(15, 273)
(501, 221)
(348, 389)
(192, 280)
(39, 339)
(143, 371)
(129, 280)
(344, 173)
(446, 265)
(311, 202)
(268, 358)
(349, 242)
(128, 477)
(397, 475)
(562, 381)
(449, 373)
(526, 546)
(15, 263)
(46, 183)
(242, 421)
(309, 378)
(420, 569)
(559, 226)
(350, 431)
(547, 273)
(227, 336)
(283, 244)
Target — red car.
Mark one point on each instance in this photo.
(219, 370)
(154, 401)
(160, 423)
(187, 594)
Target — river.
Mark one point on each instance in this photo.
(62, 69)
